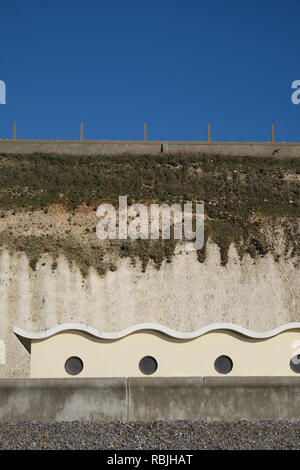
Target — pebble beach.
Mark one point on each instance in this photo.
(159, 435)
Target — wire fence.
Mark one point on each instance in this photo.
(169, 135)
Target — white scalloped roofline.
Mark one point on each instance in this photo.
(156, 327)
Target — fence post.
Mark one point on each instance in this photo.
(15, 131)
(273, 133)
(81, 131)
(208, 133)
(145, 132)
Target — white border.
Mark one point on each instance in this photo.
(156, 327)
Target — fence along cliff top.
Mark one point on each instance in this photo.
(272, 148)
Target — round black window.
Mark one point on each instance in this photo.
(73, 365)
(223, 364)
(148, 365)
(295, 364)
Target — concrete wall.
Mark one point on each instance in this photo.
(224, 398)
(98, 147)
(56, 400)
(145, 399)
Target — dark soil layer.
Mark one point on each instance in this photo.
(243, 197)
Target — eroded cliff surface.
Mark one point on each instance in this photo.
(54, 269)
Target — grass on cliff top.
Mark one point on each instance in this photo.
(235, 185)
(238, 193)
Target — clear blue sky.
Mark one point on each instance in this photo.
(175, 64)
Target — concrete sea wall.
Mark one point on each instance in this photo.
(139, 399)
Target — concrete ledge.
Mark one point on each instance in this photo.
(252, 381)
(149, 398)
(50, 400)
(219, 398)
(105, 147)
(165, 398)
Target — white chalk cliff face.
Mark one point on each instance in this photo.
(185, 295)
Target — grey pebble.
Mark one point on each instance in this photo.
(176, 435)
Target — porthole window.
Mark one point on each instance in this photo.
(148, 365)
(73, 365)
(295, 364)
(223, 364)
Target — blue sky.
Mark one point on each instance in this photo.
(174, 64)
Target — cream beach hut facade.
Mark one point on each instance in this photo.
(148, 349)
